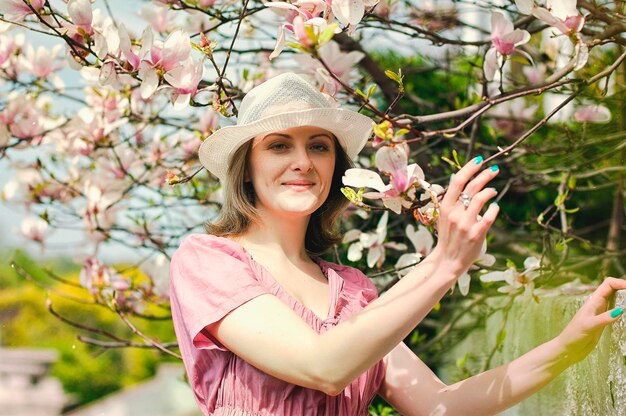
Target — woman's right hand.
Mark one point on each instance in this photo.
(460, 231)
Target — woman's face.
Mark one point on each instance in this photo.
(291, 170)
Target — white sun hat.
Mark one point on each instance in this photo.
(283, 102)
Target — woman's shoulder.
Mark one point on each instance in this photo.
(210, 245)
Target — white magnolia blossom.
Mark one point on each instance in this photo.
(422, 240)
(483, 259)
(373, 242)
(516, 280)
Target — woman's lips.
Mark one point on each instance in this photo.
(299, 185)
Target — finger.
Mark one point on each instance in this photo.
(608, 317)
(478, 201)
(459, 180)
(608, 287)
(479, 182)
(481, 228)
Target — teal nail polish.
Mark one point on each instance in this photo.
(478, 159)
(616, 312)
(451, 176)
(494, 168)
(494, 203)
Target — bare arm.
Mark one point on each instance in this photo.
(412, 388)
(270, 336)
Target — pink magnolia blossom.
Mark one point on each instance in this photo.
(299, 15)
(96, 276)
(9, 45)
(34, 228)
(374, 243)
(184, 81)
(592, 114)
(100, 209)
(81, 14)
(160, 18)
(504, 42)
(429, 213)
(560, 14)
(42, 63)
(17, 10)
(392, 161)
(157, 270)
(134, 54)
(341, 64)
(172, 55)
(510, 117)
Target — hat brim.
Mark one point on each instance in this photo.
(351, 128)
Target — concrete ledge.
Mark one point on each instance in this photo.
(595, 386)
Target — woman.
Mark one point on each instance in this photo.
(267, 328)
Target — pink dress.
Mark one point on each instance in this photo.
(211, 276)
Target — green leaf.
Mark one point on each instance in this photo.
(571, 182)
(572, 210)
(456, 157)
(392, 75)
(510, 264)
(501, 336)
(462, 361)
(327, 34)
(402, 132)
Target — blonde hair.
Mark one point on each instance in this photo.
(238, 210)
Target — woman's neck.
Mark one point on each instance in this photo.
(278, 236)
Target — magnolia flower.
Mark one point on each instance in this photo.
(96, 276)
(17, 10)
(41, 63)
(592, 114)
(299, 15)
(429, 213)
(350, 12)
(157, 270)
(510, 116)
(81, 14)
(392, 161)
(422, 240)
(184, 80)
(504, 41)
(560, 14)
(159, 18)
(8, 46)
(373, 242)
(516, 280)
(341, 64)
(34, 228)
(483, 259)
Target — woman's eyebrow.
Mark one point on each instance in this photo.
(287, 136)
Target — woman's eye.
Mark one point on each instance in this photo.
(320, 147)
(278, 146)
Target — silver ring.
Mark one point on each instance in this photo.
(465, 199)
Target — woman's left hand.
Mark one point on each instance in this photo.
(583, 332)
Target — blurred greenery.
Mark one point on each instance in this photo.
(87, 372)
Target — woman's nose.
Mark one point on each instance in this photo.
(302, 160)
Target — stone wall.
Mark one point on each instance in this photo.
(26, 389)
(595, 386)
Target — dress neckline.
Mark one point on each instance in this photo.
(326, 269)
